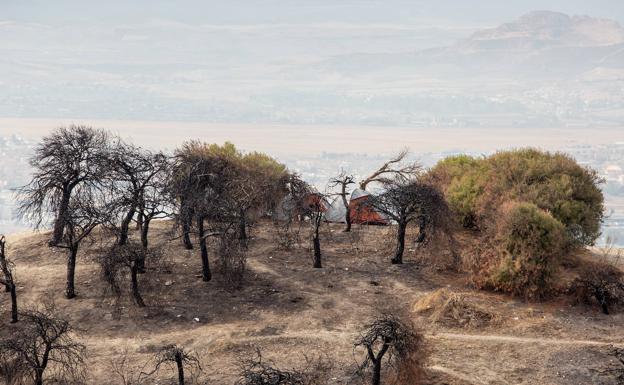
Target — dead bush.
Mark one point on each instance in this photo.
(232, 259)
(599, 283)
(453, 310)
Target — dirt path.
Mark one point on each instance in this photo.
(523, 340)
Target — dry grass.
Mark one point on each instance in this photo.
(452, 309)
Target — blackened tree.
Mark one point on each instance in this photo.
(45, 344)
(389, 339)
(412, 201)
(343, 181)
(64, 160)
(119, 259)
(87, 209)
(6, 279)
(396, 169)
(135, 170)
(174, 355)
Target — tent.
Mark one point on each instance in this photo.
(362, 213)
(337, 211)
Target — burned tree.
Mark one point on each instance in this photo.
(64, 160)
(128, 258)
(389, 339)
(173, 355)
(44, 345)
(343, 180)
(6, 268)
(86, 210)
(202, 173)
(135, 171)
(396, 169)
(408, 202)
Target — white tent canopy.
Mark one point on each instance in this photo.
(337, 212)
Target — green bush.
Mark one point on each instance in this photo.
(463, 180)
(531, 246)
(476, 187)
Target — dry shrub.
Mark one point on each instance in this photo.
(286, 235)
(601, 283)
(232, 259)
(454, 310)
(12, 370)
(255, 370)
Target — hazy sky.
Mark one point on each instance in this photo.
(297, 11)
(304, 62)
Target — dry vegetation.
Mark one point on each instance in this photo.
(291, 311)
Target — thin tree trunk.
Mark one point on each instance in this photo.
(139, 224)
(135, 284)
(144, 243)
(125, 227)
(376, 380)
(71, 272)
(347, 213)
(180, 365)
(316, 242)
(398, 256)
(38, 376)
(13, 303)
(206, 274)
(59, 223)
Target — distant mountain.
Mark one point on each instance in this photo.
(539, 45)
(546, 29)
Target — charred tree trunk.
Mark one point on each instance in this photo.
(398, 256)
(206, 274)
(59, 223)
(71, 272)
(140, 218)
(316, 243)
(38, 376)
(13, 303)
(180, 365)
(144, 243)
(125, 227)
(187, 219)
(376, 360)
(347, 213)
(134, 270)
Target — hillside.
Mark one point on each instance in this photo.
(289, 310)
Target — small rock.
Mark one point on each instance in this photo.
(168, 283)
(108, 317)
(196, 319)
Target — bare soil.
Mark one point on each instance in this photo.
(290, 310)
